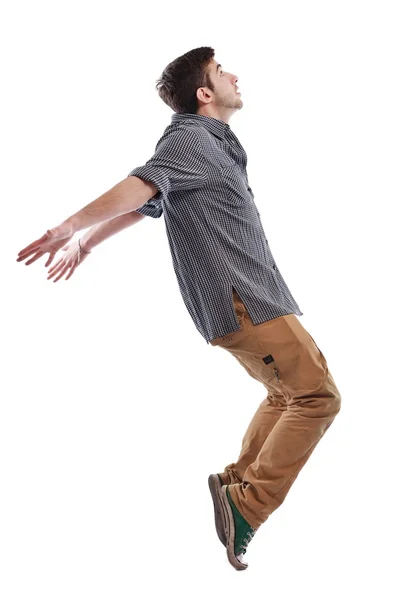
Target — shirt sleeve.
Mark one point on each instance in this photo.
(177, 164)
(152, 208)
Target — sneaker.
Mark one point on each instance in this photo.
(215, 483)
(238, 532)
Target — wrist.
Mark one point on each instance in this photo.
(84, 246)
(67, 227)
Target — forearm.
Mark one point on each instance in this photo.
(124, 197)
(98, 233)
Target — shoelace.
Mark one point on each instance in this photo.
(246, 540)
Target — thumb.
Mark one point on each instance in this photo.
(65, 247)
(55, 232)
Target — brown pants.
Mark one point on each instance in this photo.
(301, 403)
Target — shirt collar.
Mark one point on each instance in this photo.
(215, 126)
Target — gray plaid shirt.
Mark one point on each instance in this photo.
(214, 229)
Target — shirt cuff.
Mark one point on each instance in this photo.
(152, 208)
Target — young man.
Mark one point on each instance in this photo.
(229, 282)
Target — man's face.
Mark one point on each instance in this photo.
(225, 94)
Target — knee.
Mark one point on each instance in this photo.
(335, 404)
(334, 395)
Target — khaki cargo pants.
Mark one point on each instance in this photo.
(301, 403)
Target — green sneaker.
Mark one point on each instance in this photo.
(238, 531)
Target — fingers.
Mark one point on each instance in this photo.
(32, 260)
(64, 270)
(72, 270)
(25, 252)
(56, 268)
(61, 267)
(49, 260)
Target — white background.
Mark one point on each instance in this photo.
(114, 410)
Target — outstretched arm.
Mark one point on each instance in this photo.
(102, 231)
(126, 196)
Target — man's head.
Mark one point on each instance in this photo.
(196, 83)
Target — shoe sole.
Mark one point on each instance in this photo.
(230, 531)
(215, 486)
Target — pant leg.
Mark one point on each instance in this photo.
(262, 423)
(264, 419)
(283, 354)
(268, 479)
(260, 427)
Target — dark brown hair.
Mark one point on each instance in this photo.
(180, 80)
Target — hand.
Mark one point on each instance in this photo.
(68, 261)
(50, 242)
